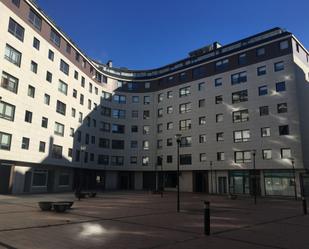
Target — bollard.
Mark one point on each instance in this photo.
(206, 218)
(304, 205)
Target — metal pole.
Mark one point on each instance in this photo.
(178, 195)
(162, 177)
(294, 176)
(255, 185)
(211, 177)
(304, 201)
(206, 218)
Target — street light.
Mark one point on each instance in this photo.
(178, 140)
(210, 164)
(294, 176)
(254, 172)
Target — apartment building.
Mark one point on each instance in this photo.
(65, 120)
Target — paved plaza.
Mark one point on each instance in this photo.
(142, 220)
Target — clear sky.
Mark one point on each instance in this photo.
(145, 34)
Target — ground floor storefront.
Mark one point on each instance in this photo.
(16, 179)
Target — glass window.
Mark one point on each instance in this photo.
(61, 107)
(218, 82)
(39, 178)
(59, 129)
(34, 67)
(239, 78)
(242, 59)
(146, 100)
(9, 82)
(202, 120)
(185, 124)
(220, 156)
(169, 110)
(35, 19)
(28, 116)
(280, 87)
(160, 97)
(7, 111)
(185, 159)
(186, 107)
(64, 67)
(202, 138)
(265, 132)
(240, 116)
(5, 141)
(31, 91)
(282, 108)
(55, 37)
(261, 70)
(145, 161)
(201, 86)
(17, 30)
(185, 141)
(147, 85)
(169, 94)
(286, 153)
(46, 99)
(279, 66)
(240, 96)
(51, 55)
(201, 103)
(264, 110)
(42, 146)
(202, 157)
(49, 76)
(135, 99)
(12, 55)
(267, 154)
(283, 130)
(260, 51)
(56, 151)
(44, 123)
(219, 117)
(263, 90)
(242, 156)
(284, 45)
(222, 64)
(219, 99)
(241, 136)
(36, 43)
(185, 91)
(220, 136)
(25, 143)
(16, 3)
(63, 87)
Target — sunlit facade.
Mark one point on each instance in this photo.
(65, 119)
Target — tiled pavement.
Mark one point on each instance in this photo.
(141, 220)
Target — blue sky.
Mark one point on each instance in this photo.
(145, 34)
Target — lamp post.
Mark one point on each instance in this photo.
(254, 172)
(178, 140)
(294, 176)
(210, 164)
(82, 149)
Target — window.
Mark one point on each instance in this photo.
(59, 129)
(105, 127)
(12, 55)
(51, 55)
(160, 97)
(31, 91)
(16, 3)
(145, 161)
(106, 111)
(202, 120)
(267, 154)
(104, 160)
(5, 141)
(199, 72)
(7, 111)
(135, 99)
(120, 99)
(169, 110)
(240, 116)
(219, 99)
(242, 59)
(222, 64)
(159, 128)
(146, 114)
(169, 142)
(147, 85)
(71, 132)
(218, 82)
(242, 156)
(36, 43)
(185, 159)
(220, 156)
(239, 78)
(77, 56)
(185, 91)
(264, 110)
(201, 103)
(282, 108)
(81, 99)
(260, 51)
(185, 124)
(169, 159)
(283, 130)
(133, 160)
(261, 70)
(44, 122)
(201, 86)
(64, 67)
(73, 112)
(89, 104)
(25, 143)
(265, 132)
(263, 90)
(28, 116)
(56, 151)
(64, 178)
(134, 128)
(134, 114)
(186, 107)
(75, 75)
(280, 87)
(9, 82)
(202, 138)
(63, 87)
(34, 67)
(241, 136)
(82, 82)
(185, 141)
(104, 143)
(279, 66)
(49, 76)
(220, 136)
(134, 144)
(118, 144)
(240, 96)
(286, 153)
(17, 30)
(39, 178)
(219, 117)
(202, 157)
(119, 114)
(146, 100)
(61, 107)
(35, 19)
(146, 129)
(145, 145)
(116, 128)
(169, 94)
(42, 146)
(55, 37)
(183, 76)
(284, 45)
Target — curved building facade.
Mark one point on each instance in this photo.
(65, 119)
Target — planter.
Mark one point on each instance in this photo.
(92, 194)
(60, 207)
(45, 205)
(68, 203)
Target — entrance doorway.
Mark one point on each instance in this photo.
(201, 182)
(222, 180)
